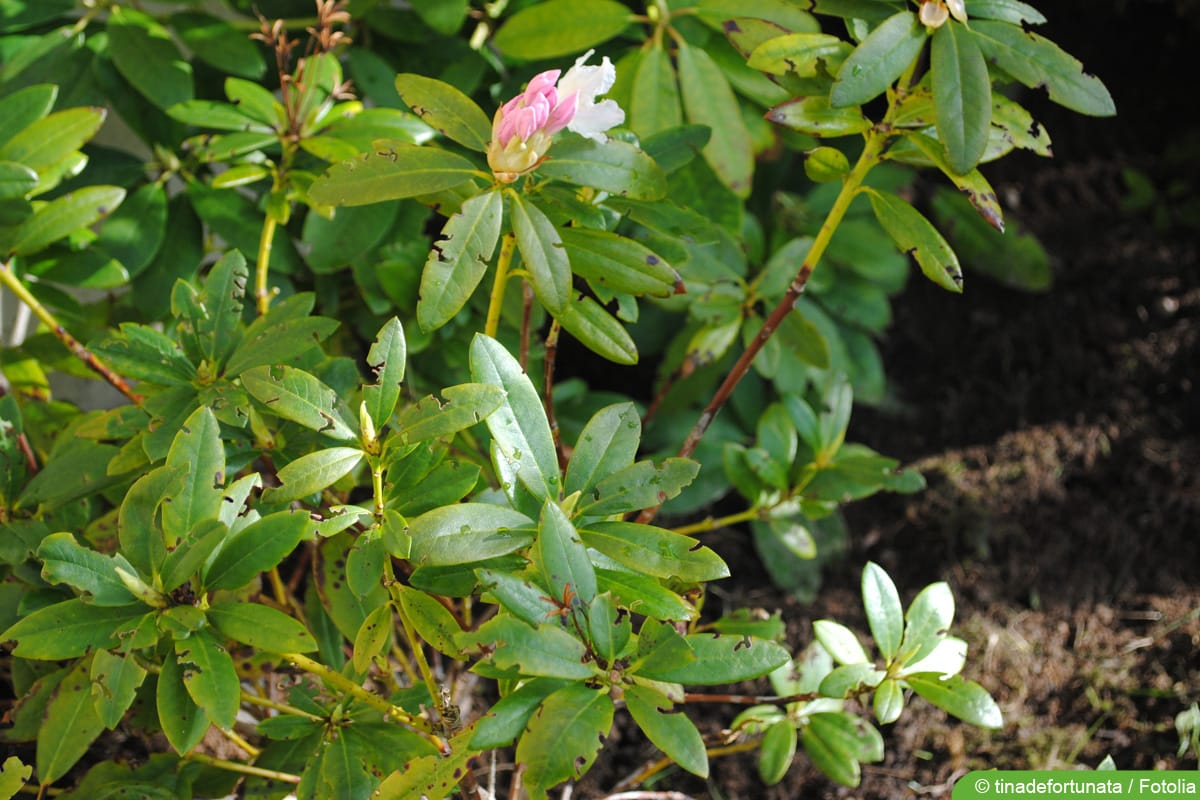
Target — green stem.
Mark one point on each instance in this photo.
(282, 708)
(261, 293)
(496, 302)
(414, 642)
(712, 523)
(340, 681)
(245, 769)
(9, 279)
(377, 489)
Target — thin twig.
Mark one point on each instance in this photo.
(14, 284)
(548, 391)
(526, 322)
(245, 769)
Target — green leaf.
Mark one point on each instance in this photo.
(564, 735)
(837, 742)
(180, 718)
(70, 726)
(347, 608)
(276, 344)
(608, 443)
(840, 642)
(519, 426)
(467, 532)
(561, 27)
(561, 556)
(546, 651)
(115, 681)
(1016, 259)
(800, 53)
(210, 677)
(778, 750)
(137, 523)
(960, 698)
(888, 702)
(446, 109)
(613, 166)
(256, 548)
(542, 251)
(1036, 62)
(70, 628)
(962, 95)
(79, 470)
(434, 624)
(609, 630)
(709, 100)
(655, 551)
(16, 180)
(884, 612)
(849, 678)
(13, 775)
(458, 261)
(261, 627)
(598, 330)
(349, 235)
(197, 448)
(1012, 11)
(723, 659)
(64, 216)
(677, 147)
(654, 105)
(457, 408)
(392, 170)
(673, 733)
(92, 574)
(142, 353)
(814, 116)
(296, 395)
(609, 261)
(191, 552)
(22, 108)
(878, 60)
(432, 777)
(638, 486)
(255, 101)
(147, 57)
(219, 44)
(215, 115)
(927, 622)
(46, 141)
(978, 191)
(914, 234)
(221, 301)
(506, 719)
(313, 473)
(644, 595)
(374, 637)
(386, 359)
(520, 594)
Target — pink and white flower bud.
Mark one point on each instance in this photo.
(524, 127)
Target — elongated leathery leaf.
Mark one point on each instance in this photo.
(673, 733)
(613, 166)
(655, 551)
(561, 27)
(183, 722)
(210, 677)
(884, 612)
(562, 557)
(914, 234)
(638, 486)
(71, 725)
(654, 103)
(709, 100)
(565, 734)
(63, 216)
(459, 260)
(962, 95)
(507, 718)
(256, 548)
(392, 170)
(546, 651)
(297, 395)
(386, 359)
(878, 60)
(71, 628)
(467, 532)
(313, 472)
(198, 449)
(600, 331)
(146, 56)
(93, 574)
(724, 659)
(457, 407)
(262, 627)
(608, 443)
(964, 699)
(543, 253)
(115, 680)
(47, 141)
(446, 109)
(519, 426)
(1036, 61)
(614, 262)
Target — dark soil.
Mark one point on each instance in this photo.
(1060, 436)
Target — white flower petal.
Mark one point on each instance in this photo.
(594, 119)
